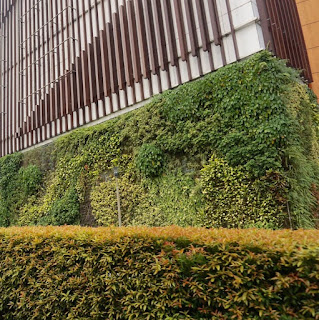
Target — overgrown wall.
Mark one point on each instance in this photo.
(237, 148)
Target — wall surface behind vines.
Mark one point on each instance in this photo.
(236, 148)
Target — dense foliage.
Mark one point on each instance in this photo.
(235, 200)
(255, 118)
(164, 273)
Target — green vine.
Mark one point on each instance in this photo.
(256, 117)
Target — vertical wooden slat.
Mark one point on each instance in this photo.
(118, 51)
(1, 76)
(98, 68)
(85, 72)
(7, 61)
(74, 87)
(159, 33)
(104, 56)
(35, 99)
(79, 64)
(180, 29)
(43, 61)
(97, 55)
(69, 88)
(140, 21)
(170, 32)
(12, 89)
(132, 26)
(127, 53)
(111, 58)
(150, 31)
(232, 29)
(91, 61)
(191, 27)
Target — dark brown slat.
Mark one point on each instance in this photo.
(222, 48)
(7, 105)
(111, 58)
(74, 84)
(51, 68)
(79, 65)
(2, 78)
(295, 54)
(159, 32)
(105, 64)
(79, 80)
(75, 98)
(140, 22)
(150, 31)
(38, 113)
(137, 72)
(127, 53)
(265, 23)
(43, 123)
(85, 77)
(92, 76)
(204, 32)
(15, 89)
(60, 57)
(118, 51)
(43, 63)
(25, 75)
(214, 22)
(301, 42)
(202, 25)
(134, 42)
(191, 27)
(97, 56)
(41, 117)
(280, 50)
(86, 85)
(99, 73)
(47, 115)
(65, 70)
(91, 62)
(48, 58)
(180, 29)
(283, 28)
(232, 29)
(52, 115)
(70, 88)
(19, 36)
(104, 57)
(290, 31)
(170, 32)
(34, 131)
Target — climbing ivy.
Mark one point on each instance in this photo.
(257, 119)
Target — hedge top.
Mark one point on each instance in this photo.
(286, 240)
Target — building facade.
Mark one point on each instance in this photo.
(309, 17)
(67, 63)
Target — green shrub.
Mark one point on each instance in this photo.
(11, 193)
(234, 200)
(173, 199)
(158, 273)
(150, 160)
(31, 178)
(104, 201)
(63, 211)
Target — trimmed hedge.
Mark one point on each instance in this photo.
(158, 273)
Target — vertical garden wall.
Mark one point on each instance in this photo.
(237, 148)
